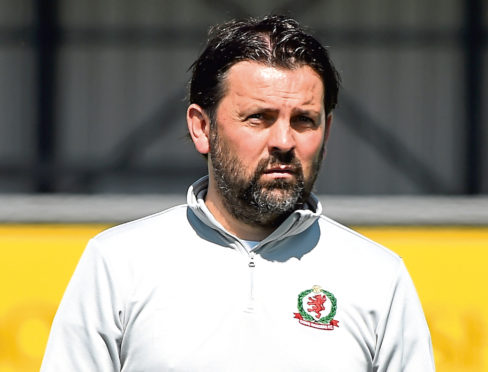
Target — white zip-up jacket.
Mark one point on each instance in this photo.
(176, 292)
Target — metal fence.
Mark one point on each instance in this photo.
(92, 93)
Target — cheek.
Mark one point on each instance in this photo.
(311, 149)
(245, 152)
(248, 147)
(310, 156)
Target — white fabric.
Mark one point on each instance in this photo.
(176, 292)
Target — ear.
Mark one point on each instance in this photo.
(328, 124)
(198, 127)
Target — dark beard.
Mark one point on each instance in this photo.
(255, 202)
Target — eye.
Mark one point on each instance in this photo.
(255, 116)
(255, 119)
(304, 120)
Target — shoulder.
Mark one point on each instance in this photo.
(357, 258)
(144, 233)
(352, 244)
(166, 219)
(363, 271)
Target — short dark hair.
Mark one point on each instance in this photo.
(273, 40)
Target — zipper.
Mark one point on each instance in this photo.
(252, 265)
(251, 260)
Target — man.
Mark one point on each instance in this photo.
(249, 276)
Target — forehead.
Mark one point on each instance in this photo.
(258, 81)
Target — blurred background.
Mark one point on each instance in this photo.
(92, 93)
(92, 133)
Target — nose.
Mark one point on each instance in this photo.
(281, 137)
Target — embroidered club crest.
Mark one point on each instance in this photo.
(317, 308)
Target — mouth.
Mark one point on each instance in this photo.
(280, 171)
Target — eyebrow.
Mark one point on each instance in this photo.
(307, 112)
(256, 108)
(316, 114)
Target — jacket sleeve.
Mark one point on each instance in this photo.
(86, 333)
(403, 337)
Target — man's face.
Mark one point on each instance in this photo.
(267, 142)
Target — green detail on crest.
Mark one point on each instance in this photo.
(324, 320)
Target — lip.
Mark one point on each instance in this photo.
(280, 170)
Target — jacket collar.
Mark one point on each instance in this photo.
(297, 222)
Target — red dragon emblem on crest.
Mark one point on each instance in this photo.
(316, 299)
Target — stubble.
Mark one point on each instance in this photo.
(252, 200)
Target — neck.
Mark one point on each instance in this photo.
(217, 207)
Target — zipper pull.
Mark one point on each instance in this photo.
(251, 262)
